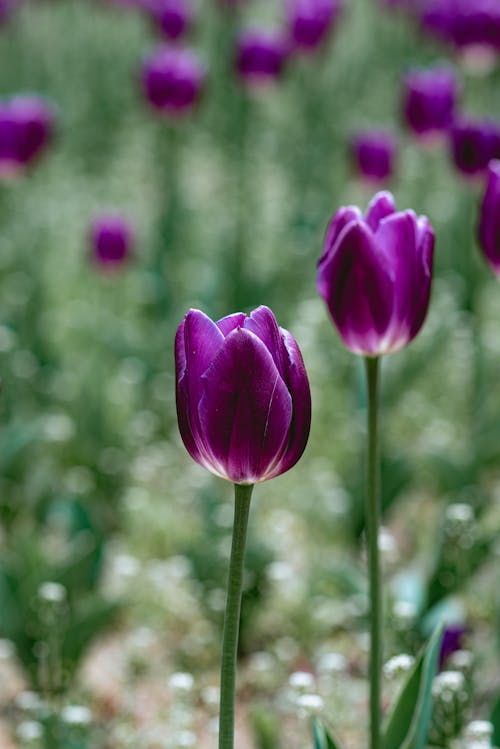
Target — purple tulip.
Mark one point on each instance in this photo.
(429, 99)
(243, 399)
(111, 240)
(310, 21)
(6, 8)
(26, 126)
(464, 23)
(261, 56)
(172, 17)
(474, 143)
(453, 636)
(374, 154)
(489, 218)
(172, 80)
(375, 275)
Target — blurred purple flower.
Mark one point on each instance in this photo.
(172, 80)
(474, 143)
(375, 275)
(111, 241)
(489, 218)
(26, 127)
(464, 23)
(429, 99)
(310, 21)
(374, 154)
(171, 17)
(453, 636)
(6, 8)
(261, 55)
(243, 398)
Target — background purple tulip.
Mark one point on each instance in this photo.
(464, 23)
(26, 126)
(243, 399)
(375, 275)
(429, 99)
(474, 143)
(310, 21)
(172, 17)
(373, 153)
(111, 241)
(172, 80)
(489, 219)
(453, 637)
(6, 8)
(260, 55)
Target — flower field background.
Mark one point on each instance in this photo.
(114, 543)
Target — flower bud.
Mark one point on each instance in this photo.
(243, 398)
(26, 126)
(374, 153)
(429, 99)
(111, 240)
(172, 80)
(474, 143)
(489, 218)
(375, 275)
(171, 17)
(310, 21)
(260, 56)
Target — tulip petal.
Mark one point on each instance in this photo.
(182, 400)
(246, 409)
(381, 206)
(263, 324)
(338, 223)
(489, 223)
(298, 386)
(227, 324)
(356, 283)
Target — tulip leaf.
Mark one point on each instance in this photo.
(322, 738)
(408, 723)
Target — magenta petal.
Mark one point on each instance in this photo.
(356, 283)
(489, 219)
(181, 392)
(298, 385)
(227, 324)
(425, 249)
(263, 324)
(246, 410)
(381, 206)
(340, 220)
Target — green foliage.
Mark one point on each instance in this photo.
(322, 738)
(408, 721)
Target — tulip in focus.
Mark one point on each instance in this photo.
(171, 17)
(172, 80)
(26, 127)
(489, 218)
(310, 21)
(375, 275)
(374, 154)
(111, 241)
(243, 398)
(429, 99)
(474, 144)
(260, 56)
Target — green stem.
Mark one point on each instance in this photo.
(372, 532)
(242, 496)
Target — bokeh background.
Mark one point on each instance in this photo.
(114, 544)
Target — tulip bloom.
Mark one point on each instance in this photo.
(260, 56)
(111, 240)
(310, 21)
(474, 144)
(489, 220)
(172, 17)
(375, 275)
(429, 99)
(172, 80)
(243, 399)
(26, 126)
(373, 154)
(466, 24)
